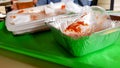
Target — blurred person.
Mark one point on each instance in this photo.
(44, 2)
(80, 2)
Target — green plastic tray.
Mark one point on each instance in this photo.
(42, 45)
(87, 44)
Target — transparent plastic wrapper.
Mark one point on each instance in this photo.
(27, 20)
(71, 7)
(85, 33)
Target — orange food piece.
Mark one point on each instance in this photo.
(34, 17)
(12, 16)
(75, 27)
(20, 11)
(63, 7)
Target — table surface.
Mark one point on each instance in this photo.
(10, 59)
(42, 46)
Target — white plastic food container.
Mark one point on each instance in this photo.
(32, 19)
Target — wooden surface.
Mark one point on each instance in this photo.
(6, 62)
(10, 59)
(104, 3)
